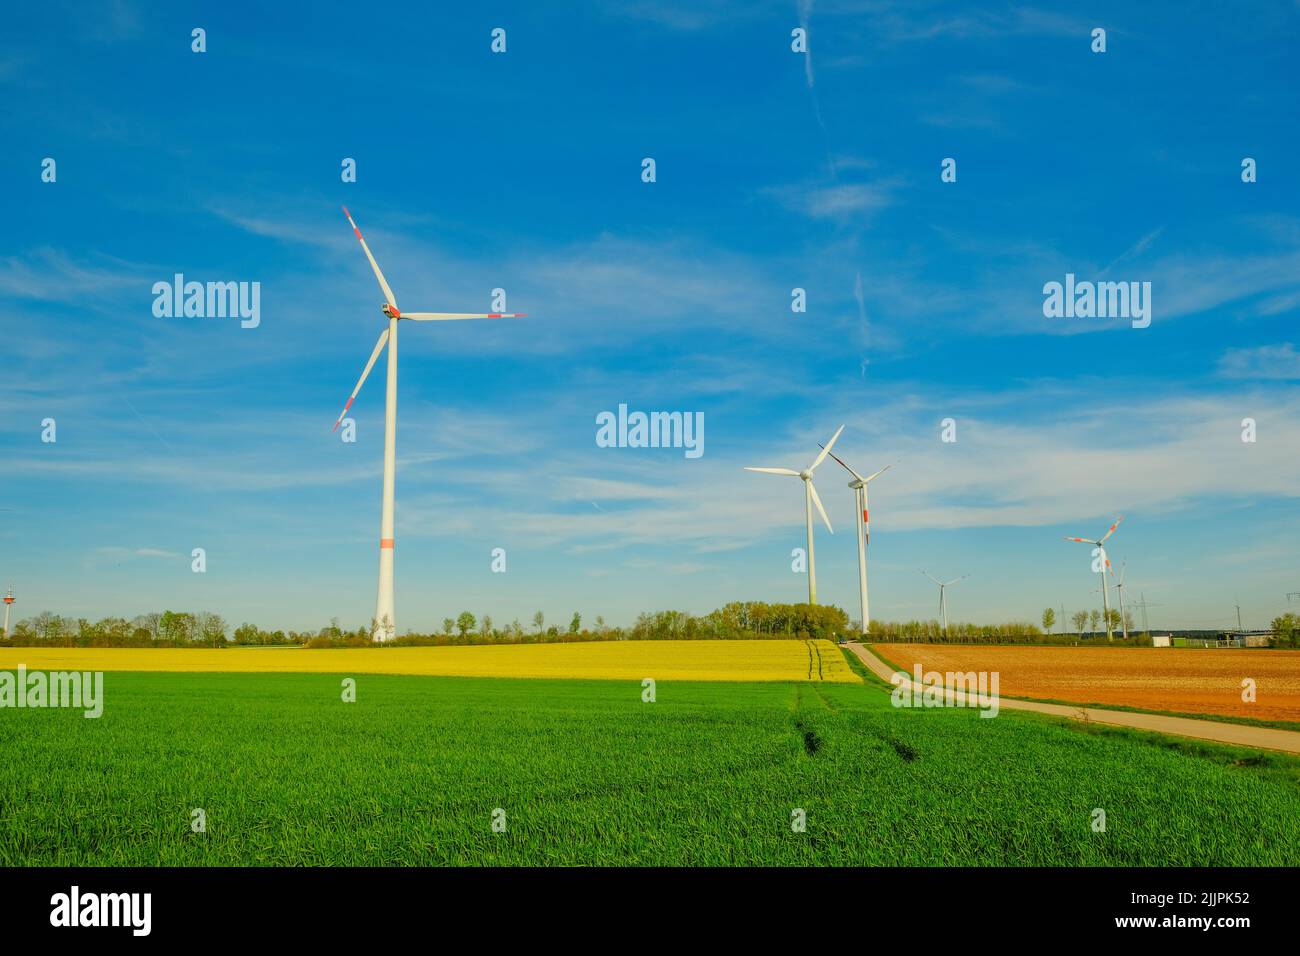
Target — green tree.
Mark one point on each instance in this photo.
(465, 623)
(448, 625)
(148, 622)
(115, 632)
(1080, 619)
(486, 627)
(576, 624)
(1049, 620)
(1112, 616)
(169, 627)
(212, 630)
(539, 621)
(1286, 630)
(1094, 618)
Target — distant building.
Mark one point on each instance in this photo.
(1161, 640)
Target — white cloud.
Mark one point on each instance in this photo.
(839, 201)
(1265, 362)
(50, 275)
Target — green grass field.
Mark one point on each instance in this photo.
(588, 774)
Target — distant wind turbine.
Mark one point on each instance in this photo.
(943, 600)
(385, 626)
(9, 602)
(859, 486)
(1119, 589)
(1099, 544)
(810, 499)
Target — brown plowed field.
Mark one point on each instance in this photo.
(1179, 680)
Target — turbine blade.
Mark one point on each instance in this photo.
(826, 449)
(818, 502)
(932, 578)
(1084, 540)
(774, 471)
(383, 283)
(881, 472)
(1112, 529)
(955, 580)
(445, 316)
(379, 347)
(846, 467)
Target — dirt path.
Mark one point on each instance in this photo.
(1242, 735)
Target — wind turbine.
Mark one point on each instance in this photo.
(943, 601)
(9, 602)
(1119, 589)
(385, 626)
(859, 486)
(810, 499)
(1105, 594)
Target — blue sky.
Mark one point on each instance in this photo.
(775, 170)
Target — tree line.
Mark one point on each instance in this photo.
(738, 620)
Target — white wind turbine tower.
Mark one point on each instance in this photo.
(385, 626)
(859, 486)
(9, 602)
(1100, 545)
(810, 499)
(943, 600)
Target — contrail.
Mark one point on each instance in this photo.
(804, 8)
(146, 424)
(863, 328)
(1138, 248)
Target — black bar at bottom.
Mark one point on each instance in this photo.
(333, 905)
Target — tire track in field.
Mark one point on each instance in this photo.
(904, 750)
(812, 741)
(814, 660)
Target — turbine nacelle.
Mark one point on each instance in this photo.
(390, 311)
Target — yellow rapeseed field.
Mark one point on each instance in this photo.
(603, 660)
